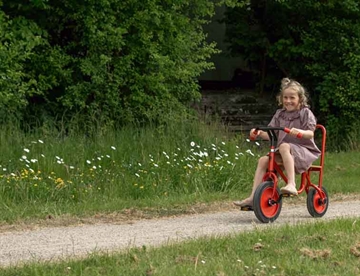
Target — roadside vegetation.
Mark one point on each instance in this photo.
(322, 248)
(161, 171)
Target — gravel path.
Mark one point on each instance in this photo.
(77, 241)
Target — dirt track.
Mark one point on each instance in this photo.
(54, 243)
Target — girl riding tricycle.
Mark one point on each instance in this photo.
(292, 147)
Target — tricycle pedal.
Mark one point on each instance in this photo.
(247, 208)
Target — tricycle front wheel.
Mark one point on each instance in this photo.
(267, 206)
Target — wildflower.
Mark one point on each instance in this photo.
(24, 157)
(71, 167)
(156, 165)
(94, 167)
(42, 155)
(88, 161)
(257, 143)
(113, 148)
(4, 169)
(189, 165)
(26, 150)
(41, 141)
(192, 144)
(223, 143)
(247, 140)
(249, 152)
(137, 174)
(33, 160)
(108, 156)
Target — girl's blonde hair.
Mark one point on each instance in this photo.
(289, 83)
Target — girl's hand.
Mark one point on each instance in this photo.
(294, 132)
(254, 134)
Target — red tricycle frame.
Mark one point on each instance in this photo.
(267, 202)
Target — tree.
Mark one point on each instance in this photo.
(119, 60)
(315, 42)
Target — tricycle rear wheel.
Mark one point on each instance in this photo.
(267, 206)
(316, 206)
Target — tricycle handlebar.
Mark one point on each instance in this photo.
(270, 129)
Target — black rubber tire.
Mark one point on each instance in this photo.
(314, 206)
(263, 209)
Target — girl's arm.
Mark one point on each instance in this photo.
(306, 134)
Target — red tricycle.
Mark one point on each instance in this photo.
(267, 202)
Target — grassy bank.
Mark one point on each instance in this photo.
(322, 248)
(48, 173)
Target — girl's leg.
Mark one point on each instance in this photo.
(288, 163)
(259, 173)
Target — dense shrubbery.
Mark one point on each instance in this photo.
(121, 61)
(316, 42)
(112, 62)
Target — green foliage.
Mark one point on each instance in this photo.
(314, 42)
(184, 159)
(18, 38)
(117, 60)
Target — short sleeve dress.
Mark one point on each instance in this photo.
(304, 151)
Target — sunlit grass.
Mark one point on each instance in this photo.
(48, 172)
(119, 168)
(321, 248)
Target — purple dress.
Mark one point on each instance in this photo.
(304, 151)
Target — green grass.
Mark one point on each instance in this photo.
(321, 248)
(48, 173)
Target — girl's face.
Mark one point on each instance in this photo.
(290, 99)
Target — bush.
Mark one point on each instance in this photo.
(120, 61)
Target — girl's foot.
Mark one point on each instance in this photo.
(289, 189)
(243, 203)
